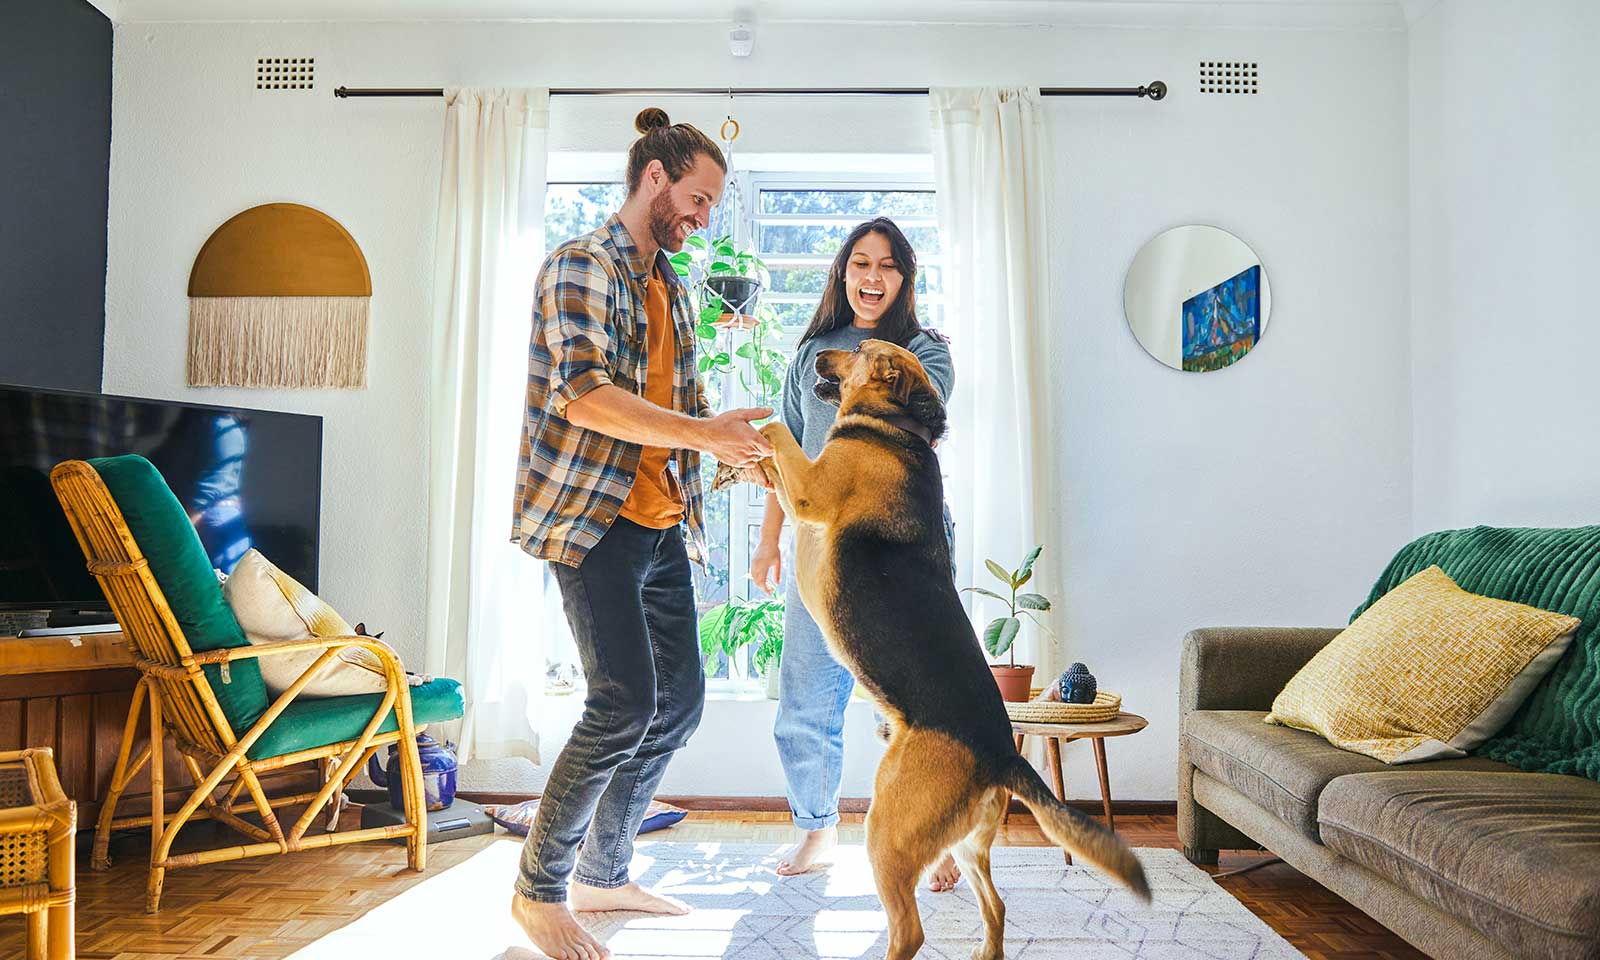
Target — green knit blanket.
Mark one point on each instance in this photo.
(1558, 728)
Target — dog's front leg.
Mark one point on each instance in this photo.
(797, 482)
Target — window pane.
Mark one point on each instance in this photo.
(781, 238)
(808, 280)
(574, 209)
(865, 203)
(795, 316)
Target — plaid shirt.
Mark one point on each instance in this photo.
(589, 329)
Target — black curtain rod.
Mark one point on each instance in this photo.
(1155, 90)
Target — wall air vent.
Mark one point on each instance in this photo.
(286, 73)
(1228, 76)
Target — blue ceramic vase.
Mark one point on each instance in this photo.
(438, 773)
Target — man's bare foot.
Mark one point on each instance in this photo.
(555, 931)
(811, 853)
(627, 897)
(945, 876)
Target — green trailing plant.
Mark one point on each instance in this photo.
(730, 626)
(1001, 633)
(757, 364)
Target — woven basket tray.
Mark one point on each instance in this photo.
(1106, 706)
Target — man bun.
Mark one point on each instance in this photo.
(651, 118)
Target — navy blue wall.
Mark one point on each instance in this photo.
(55, 156)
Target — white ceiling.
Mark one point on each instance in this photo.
(1363, 14)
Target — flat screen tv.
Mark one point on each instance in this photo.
(245, 477)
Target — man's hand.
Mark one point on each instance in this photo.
(730, 438)
(766, 567)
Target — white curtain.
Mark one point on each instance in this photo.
(490, 606)
(990, 165)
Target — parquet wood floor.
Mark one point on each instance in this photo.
(268, 907)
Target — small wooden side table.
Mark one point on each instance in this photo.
(1056, 733)
(37, 824)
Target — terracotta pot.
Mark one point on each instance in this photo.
(1015, 682)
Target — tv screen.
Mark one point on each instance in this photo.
(246, 478)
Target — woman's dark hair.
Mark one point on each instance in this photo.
(899, 323)
(676, 145)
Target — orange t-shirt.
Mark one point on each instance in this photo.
(655, 500)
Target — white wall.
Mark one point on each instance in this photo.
(1271, 492)
(1505, 207)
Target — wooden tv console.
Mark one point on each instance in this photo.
(72, 693)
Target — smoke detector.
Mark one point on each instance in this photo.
(741, 40)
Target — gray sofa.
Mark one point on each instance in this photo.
(1465, 858)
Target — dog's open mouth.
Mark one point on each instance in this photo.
(827, 390)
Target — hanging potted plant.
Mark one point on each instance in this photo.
(726, 285)
(730, 626)
(1015, 681)
(733, 281)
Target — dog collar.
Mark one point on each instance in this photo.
(910, 425)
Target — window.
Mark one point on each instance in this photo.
(795, 222)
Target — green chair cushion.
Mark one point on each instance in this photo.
(305, 724)
(182, 569)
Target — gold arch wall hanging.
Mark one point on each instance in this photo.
(279, 297)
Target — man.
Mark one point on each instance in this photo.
(614, 404)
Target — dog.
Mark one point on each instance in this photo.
(874, 571)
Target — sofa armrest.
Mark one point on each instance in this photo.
(1232, 668)
(1243, 668)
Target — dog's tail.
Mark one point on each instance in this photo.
(1080, 835)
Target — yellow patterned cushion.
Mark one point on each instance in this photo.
(1429, 671)
(271, 605)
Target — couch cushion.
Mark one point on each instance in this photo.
(1429, 671)
(1282, 769)
(316, 723)
(1558, 728)
(181, 568)
(1516, 855)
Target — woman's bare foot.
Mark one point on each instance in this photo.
(555, 931)
(945, 876)
(811, 853)
(627, 897)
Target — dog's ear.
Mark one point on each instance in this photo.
(927, 409)
(900, 385)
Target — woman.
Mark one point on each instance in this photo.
(870, 295)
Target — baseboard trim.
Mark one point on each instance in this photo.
(1131, 808)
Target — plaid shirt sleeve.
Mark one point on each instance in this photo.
(575, 300)
(702, 400)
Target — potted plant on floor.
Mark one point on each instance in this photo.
(730, 626)
(1015, 681)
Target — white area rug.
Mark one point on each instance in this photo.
(744, 910)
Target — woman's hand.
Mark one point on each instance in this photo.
(766, 567)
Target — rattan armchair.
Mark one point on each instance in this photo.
(37, 825)
(178, 694)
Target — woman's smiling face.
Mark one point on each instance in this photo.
(871, 278)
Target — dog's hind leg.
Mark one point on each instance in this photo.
(972, 853)
(922, 803)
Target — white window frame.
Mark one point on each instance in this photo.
(745, 513)
(747, 506)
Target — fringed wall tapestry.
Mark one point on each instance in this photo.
(279, 297)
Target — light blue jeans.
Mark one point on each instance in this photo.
(813, 691)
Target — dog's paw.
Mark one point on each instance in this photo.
(727, 476)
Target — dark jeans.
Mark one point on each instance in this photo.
(631, 607)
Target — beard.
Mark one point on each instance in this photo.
(663, 222)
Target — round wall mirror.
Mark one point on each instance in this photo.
(1196, 298)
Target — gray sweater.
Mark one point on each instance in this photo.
(811, 418)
